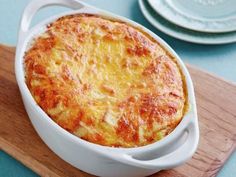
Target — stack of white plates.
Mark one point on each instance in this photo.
(198, 21)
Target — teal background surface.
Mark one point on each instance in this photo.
(218, 59)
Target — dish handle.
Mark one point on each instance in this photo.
(36, 5)
(171, 160)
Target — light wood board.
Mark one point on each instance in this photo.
(216, 103)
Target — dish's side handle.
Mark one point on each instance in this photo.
(176, 158)
(35, 5)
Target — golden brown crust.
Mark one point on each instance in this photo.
(105, 81)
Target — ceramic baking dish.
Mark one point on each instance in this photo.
(171, 151)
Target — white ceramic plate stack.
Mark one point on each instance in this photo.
(198, 21)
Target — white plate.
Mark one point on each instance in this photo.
(182, 33)
(215, 16)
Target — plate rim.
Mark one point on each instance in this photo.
(189, 18)
(177, 35)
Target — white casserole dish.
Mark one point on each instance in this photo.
(171, 151)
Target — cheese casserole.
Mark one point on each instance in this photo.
(105, 81)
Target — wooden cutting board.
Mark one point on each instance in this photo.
(216, 102)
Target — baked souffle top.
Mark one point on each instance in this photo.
(105, 81)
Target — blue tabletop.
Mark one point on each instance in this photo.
(219, 59)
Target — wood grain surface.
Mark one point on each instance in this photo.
(216, 103)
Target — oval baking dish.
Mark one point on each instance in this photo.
(171, 151)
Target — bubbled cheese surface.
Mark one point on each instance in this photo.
(105, 81)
